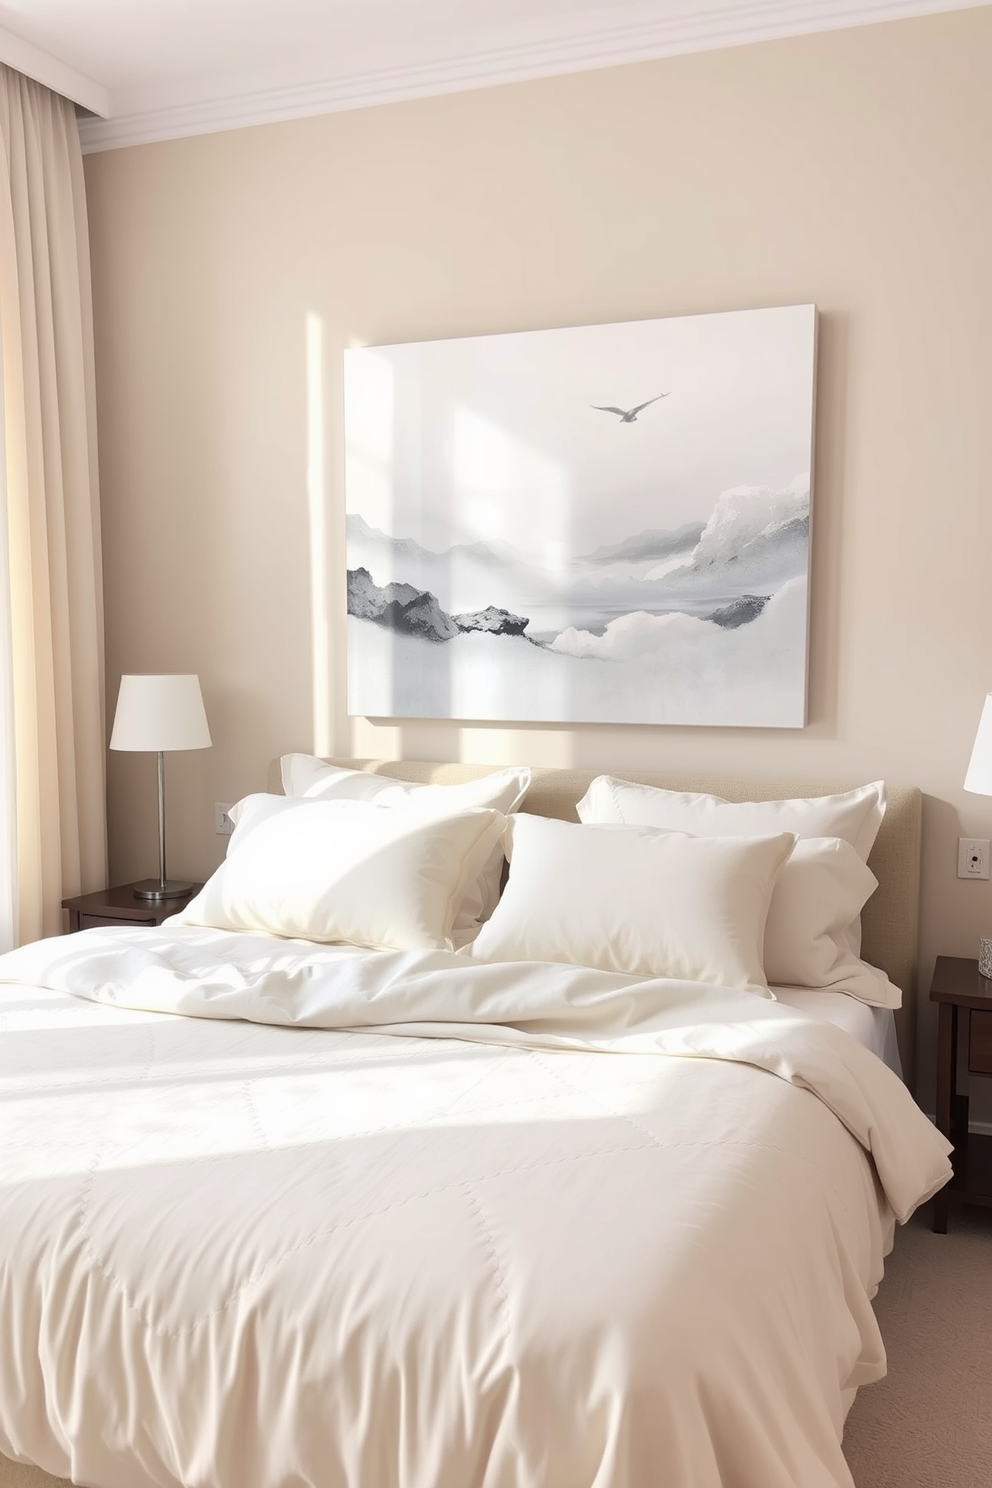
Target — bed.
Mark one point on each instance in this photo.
(280, 1214)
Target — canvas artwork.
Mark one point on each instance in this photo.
(599, 524)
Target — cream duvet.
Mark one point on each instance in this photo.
(273, 1214)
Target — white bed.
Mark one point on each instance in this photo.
(556, 1226)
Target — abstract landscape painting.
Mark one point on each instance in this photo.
(600, 524)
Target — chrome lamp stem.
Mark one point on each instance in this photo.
(163, 887)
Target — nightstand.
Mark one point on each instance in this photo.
(957, 985)
(120, 907)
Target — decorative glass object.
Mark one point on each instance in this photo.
(985, 957)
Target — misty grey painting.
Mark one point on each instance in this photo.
(600, 524)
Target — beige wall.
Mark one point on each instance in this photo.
(850, 169)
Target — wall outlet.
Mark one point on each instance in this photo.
(973, 857)
(224, 826)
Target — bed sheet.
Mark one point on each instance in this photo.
(874, 1027)
(513, 1254)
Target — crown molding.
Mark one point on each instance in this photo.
(691, 30)
(40, 65)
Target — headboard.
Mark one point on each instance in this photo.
(890, 918)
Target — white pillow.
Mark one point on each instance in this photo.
(305, 775)
(502, 790)
(854, 816)
(636, 900)
(818, 893)
(345, 871)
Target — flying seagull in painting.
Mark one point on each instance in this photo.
(628, 415)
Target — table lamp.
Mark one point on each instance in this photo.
(979, 780)
(155, 714)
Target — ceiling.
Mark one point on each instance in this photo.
(158, 69)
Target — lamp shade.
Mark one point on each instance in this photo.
(160, 712)
(979, 776)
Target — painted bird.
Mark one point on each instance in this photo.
(627, 415)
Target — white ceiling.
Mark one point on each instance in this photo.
(157, 69)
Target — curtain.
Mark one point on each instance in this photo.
(52, 721)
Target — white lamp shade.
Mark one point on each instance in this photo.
(979, 776)
(160, 712)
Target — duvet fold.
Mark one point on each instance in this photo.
(207, 973)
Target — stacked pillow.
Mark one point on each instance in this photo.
(350, 871)
(652, 883)
(813, 932)
(636, 900)
(347, 856)
(309, 778)
(306, 775)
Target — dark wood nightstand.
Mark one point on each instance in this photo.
(958, 984)
(120, 907)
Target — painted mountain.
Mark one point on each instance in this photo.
(705, 623)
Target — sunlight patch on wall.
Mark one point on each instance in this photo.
(544, 747)
(370, 404)
(317, 505)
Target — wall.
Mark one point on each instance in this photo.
(850, 169)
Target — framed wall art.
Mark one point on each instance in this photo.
(598, 524)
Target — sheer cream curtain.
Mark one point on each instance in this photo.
(52, 779)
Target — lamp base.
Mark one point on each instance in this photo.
(153, 888)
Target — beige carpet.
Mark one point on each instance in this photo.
(928, 1424)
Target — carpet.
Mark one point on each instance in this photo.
(928, 1424)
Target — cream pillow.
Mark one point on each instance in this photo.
(502, 790)
(819, 892)
(305, 775)
(636, 900)
(854, 816)
(345, 871)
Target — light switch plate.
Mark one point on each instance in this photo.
(224, 826)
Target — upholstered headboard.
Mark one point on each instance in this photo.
(890, 919)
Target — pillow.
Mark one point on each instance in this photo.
(854, 816)
(819, 891)
(502, 790)
(636, 900)
(305, 775)
(345, 871)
